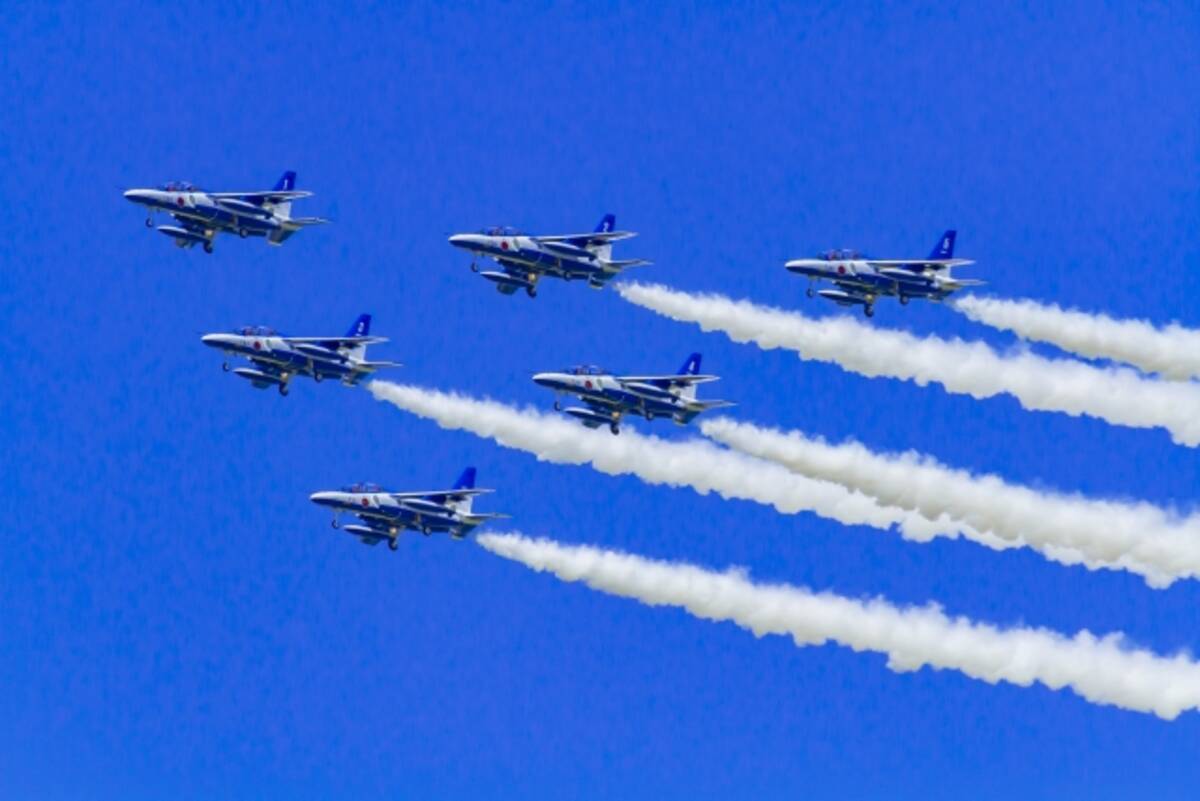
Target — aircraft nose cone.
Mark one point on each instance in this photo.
(326, 498)
(547, 380)
(463, 240)
(136, 195)
(215, 340)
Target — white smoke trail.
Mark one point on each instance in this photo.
(1172, 351)
(1158, 544)
(696, 463)
(1118, 396)
(1101, 669)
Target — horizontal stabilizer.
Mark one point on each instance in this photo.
(372, 366)
(302, 222)
(622, 264)
(476, 519)
(705, 405)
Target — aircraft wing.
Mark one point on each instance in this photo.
(593, 238)
(441, 496)
(920, 264)
(265, 196)
(335, 342)
(676, 380)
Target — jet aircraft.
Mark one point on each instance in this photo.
(387, 514)
(524, 260)
(609, 397)
(277, 359)
(202, 215)
(859, 279)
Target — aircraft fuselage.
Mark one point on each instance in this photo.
(215, 214)
(291, 360)
(525, 259)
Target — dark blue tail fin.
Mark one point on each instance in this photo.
(287, 182)
(606, 224)
(945, 247)
(361, 327)
(466, 480)
(691, 366)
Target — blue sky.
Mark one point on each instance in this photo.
(178, 619)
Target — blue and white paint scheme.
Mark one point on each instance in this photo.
(609, 397)
(860, 279)
(524, 260)
(385, 515)
(277, 359)
(202, 215)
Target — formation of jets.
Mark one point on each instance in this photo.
(523, 261)
(608, 397)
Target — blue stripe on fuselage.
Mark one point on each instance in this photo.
(523, 260)
(296, 363)
(631, 403)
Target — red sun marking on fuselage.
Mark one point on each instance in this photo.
(841, 269)
(366, 501)
(503, 245)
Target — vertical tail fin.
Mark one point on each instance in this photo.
(286, 183)
(603, 250)
(361, 328)
(691, 366)
(945, 246)
(466, 480)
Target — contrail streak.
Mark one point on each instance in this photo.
(1158, 544)
(1104, 670)
(1171, 351)
(695, 463)
(1118, 396)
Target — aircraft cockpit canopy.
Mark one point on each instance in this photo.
(256, 331)
(180, 186)
(362, 487)
(500, 230)
(841, 254)
(586, 369)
